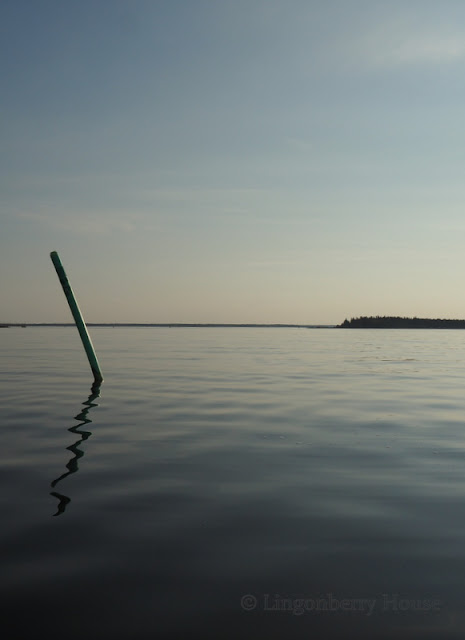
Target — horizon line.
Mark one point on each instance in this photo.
(165, 324)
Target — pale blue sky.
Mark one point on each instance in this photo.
(232, 160)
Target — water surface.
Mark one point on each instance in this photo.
(233, 482)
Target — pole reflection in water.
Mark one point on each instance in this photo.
(72, 466)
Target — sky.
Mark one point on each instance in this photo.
(242, 161)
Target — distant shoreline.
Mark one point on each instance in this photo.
(362, 322)
(397, 322)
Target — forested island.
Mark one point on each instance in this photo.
(397, 322)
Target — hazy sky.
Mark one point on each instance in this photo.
(290, 161)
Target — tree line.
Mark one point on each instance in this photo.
(398, 322)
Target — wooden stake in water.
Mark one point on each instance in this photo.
(77, 315)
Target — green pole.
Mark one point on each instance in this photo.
(77, 315)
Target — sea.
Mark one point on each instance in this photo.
(232, 482)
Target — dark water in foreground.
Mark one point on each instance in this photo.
(233, 483)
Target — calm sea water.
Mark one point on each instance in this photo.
(233, 483)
